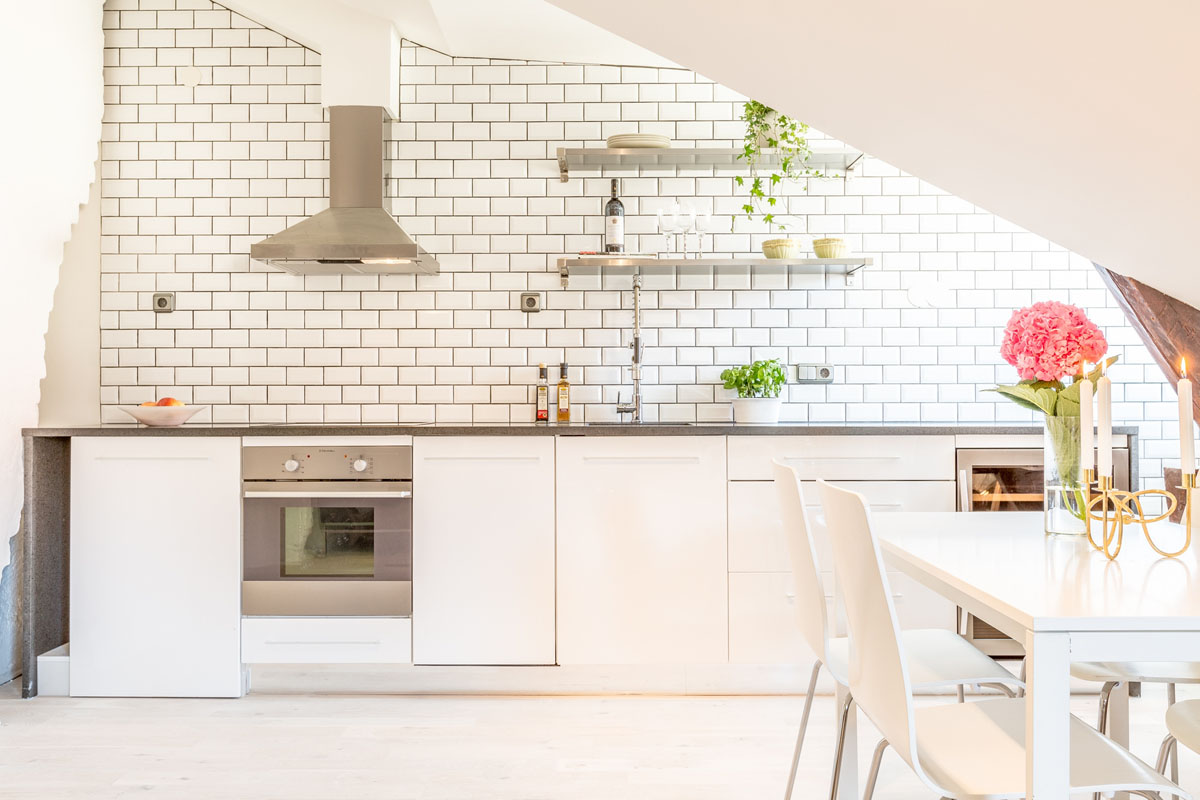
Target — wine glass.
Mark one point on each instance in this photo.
(703, 226)
(668, 225)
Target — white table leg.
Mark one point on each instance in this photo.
(1047, 716)
(848, 777)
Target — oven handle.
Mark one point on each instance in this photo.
(317, 493)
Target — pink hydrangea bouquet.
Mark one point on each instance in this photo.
(1050, 343)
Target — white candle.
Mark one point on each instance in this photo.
(1087, 443)
(1104, 432)
(1187, 445)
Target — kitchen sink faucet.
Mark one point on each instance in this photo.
(635, 366)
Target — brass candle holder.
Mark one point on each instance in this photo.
(1115, 508)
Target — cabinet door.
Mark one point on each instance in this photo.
(763, 625)
(155, 566)
(483, 550)
(642, 570)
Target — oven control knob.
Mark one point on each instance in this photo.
(359, 465)
(291, 465)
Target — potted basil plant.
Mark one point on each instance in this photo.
(758, 386)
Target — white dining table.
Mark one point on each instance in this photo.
(1064, 600)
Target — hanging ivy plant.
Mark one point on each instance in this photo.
(766, 129)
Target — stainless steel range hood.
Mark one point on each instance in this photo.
(355, 235)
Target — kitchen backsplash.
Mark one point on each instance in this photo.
(214, 138)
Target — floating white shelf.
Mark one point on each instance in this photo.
(595, 160)
(827, 266)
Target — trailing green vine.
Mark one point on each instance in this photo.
(768, 129)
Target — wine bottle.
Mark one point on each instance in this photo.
(614, 223)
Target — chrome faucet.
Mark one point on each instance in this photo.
(635, 366)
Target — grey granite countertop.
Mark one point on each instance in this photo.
(543, 429)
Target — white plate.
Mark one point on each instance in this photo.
(638, 140)
(162, 416)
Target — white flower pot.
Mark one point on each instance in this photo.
(757, 410)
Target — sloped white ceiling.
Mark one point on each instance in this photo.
(524, 29)
(1075, 119)
(531, 30)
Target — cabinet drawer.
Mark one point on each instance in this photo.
(756, 537)
(844, 458)
(326, 640)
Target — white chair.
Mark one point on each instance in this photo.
(1183, 725)
(969, 750)
(937, 659)
(1113, 674)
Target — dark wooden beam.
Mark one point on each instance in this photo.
(1170, 328)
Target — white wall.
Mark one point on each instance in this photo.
(70, 392)
(194, 176)
(54, 99)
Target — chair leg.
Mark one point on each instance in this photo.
(812, 688)
(841, 745)
(873, 775)
(1164, 752)
(961, 693)
(1102, 724)
(1174, 750)
(1105, 692)
(1002, 687)
(1021, 691)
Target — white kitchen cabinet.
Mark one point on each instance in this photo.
(483, 550)
(642, 567)
(155, 566)
(894, 473)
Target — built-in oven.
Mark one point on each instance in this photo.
(327, 530)
(1010, 479)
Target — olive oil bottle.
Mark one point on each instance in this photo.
(564, 394)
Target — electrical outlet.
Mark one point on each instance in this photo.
(531, 301)
(163, 302)
(814, 373)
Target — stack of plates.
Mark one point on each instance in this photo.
(638, 140)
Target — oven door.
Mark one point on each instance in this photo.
(336, 548)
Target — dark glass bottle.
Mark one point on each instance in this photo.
(614, 223)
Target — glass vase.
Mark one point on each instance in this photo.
(1065, 496)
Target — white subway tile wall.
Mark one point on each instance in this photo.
(215, 138)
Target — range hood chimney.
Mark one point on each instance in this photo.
(355, 235)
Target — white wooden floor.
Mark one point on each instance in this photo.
(395, 747)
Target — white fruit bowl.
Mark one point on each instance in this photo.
(162, 416)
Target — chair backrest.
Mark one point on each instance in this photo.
(811, 612)
(878, 676)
